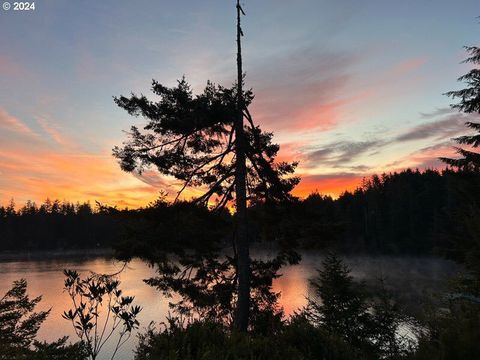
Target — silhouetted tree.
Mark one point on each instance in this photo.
(387, 320)
(202, 340)
(19, 324)
(465, 233)
(450, 327)
(203, 141)
(340, 304)
(469, 103)
(345, 308)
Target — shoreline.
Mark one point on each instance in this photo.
(54, 254)
(259, 248)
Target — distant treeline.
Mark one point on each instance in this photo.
(55, 225)
(408, 212)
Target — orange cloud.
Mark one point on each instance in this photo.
(35, 170)
(74, 177)
(291, 151)
(331, 184)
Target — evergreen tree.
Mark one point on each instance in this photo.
(468, 187)
(340, 306)
(469, 103)
(19, 324)
(203, 141)
(344, 309)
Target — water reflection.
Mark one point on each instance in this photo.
(411, 277)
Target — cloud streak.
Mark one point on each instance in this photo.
(361, 158)
(447, 127)
(11, 123)
(53, 132)
(342, 153)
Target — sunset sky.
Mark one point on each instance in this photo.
(350, 88)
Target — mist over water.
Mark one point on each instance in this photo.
(410, 278)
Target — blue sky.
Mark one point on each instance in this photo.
(350, 88)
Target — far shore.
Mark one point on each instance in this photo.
(53, 254)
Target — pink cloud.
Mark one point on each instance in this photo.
(409, 65)
(425, 158)
(301, 90)
(13, 124)
(53, 132)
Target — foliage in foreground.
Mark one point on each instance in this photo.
(346, 324)
(298, 339)
(453, 333)
(452, 329)
(92, 296)
(19, 324)
(368, 321)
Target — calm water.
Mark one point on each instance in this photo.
(412, 278)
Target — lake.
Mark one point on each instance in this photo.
(412, 278)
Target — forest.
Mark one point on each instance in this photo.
(409, 212)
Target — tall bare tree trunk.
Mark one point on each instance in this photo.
(243, 256)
